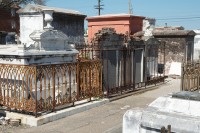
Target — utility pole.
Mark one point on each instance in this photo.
(99, 7)
(130, 7)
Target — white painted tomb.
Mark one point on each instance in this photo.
(47, 46)
(42, 46)
(181, 111)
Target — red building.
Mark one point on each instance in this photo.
(122, 23)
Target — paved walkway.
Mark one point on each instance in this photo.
(103, 119)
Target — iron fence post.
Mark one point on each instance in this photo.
(121, 74)
(53, 78)
(164, 60)
(101, 78)
(163, 130)
(70, 85)
(130, 72)
(107, 85)
(90, 86)
(36, 104)
(78, 79)
(169, 129)
(182, 74)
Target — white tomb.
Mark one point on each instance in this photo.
(42, 46)
(47, 46)
(182, 113)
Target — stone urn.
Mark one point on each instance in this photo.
(48, 18)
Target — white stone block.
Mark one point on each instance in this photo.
(132, 120)
(182, 115)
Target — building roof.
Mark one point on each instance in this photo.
(174, 33)
(38, 8)
(170, 28)
(139, 34)
(123, 15)
(168, 33)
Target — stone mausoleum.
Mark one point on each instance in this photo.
(178, 45)
(42, 74)
(122, 23)
(41, 43)
(70, 22)
(24, 65)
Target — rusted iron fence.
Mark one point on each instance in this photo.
(43, 88)
(190, 78)
(127, 68)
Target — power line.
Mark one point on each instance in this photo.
(99, 7)
(185, 21)
(182, 18)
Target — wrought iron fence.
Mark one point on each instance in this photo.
(190, 78)
(126, 69)
(42, 88)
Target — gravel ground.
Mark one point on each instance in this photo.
(11, 129)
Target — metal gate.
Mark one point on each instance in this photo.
(190, 78)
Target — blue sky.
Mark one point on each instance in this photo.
(187, 11)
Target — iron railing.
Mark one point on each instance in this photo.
(190, 76)
(43, 88)
(126, 69)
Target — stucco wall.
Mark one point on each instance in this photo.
(177, 49)
(122, 24)
(136, 25)
(72, 26)
(28, 24)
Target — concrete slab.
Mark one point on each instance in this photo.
(32, 121)
(187, 95)
(180, 123)
(176, 105)
(182, 114)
